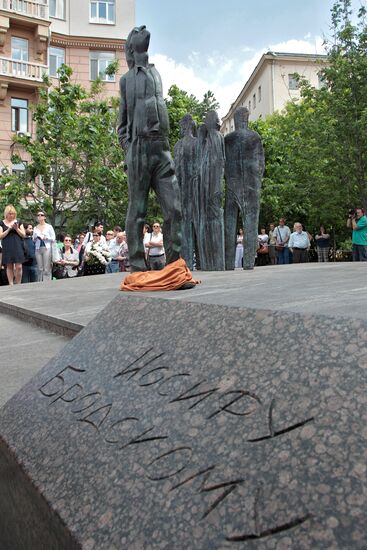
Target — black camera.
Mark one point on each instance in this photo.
(352, 213)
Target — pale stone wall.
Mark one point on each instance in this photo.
(272, 75)
(77, 21)
(282, 93)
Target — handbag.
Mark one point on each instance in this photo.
(58, 271)
(264, 249)
(279, 246)
(55, 252)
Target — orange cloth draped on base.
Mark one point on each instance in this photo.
(172, 277)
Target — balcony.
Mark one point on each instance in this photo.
(28, 8)
(22, 73)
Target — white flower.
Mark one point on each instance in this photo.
(101, 253)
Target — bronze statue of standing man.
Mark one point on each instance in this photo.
(244, 170)
(143, 133)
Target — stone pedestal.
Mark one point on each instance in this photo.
(166, 424)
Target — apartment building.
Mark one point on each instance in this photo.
(37, 36)
(272, 84)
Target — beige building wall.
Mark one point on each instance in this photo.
(77, 20)
(268, 88)
(282, 70)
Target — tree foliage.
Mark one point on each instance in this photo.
(179, 103)
(316, 148)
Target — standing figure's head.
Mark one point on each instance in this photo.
(137, 42)
(212, 120)
(241, 118)
(187, 126)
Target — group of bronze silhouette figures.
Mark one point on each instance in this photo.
(204, 160)
(195, 221)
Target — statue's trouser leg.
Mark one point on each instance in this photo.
(250, 214)
(215, 235)
(187, 245)
(230, 229)
(139, 177)
(166, 186)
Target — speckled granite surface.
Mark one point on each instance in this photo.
(190, 426)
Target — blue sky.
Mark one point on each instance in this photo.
(202, 44)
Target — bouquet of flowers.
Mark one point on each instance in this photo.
(98, 255)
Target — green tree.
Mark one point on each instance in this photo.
(346, 79)
(179, 103)
(316, 148)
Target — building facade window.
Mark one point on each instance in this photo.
(56, 57)
(19, 49)
(249, 106)
(321, 81)
(19, 115)
(292, 82)
(57, 9)
(19, 53)
(99, 62)
(102, 11)
(254, 101)
(259, 94)
(18, 169)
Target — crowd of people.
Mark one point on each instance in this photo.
(31, 253)
(282, 246)
(279, 245)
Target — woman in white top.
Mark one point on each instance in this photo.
(239, 249)
(147, 235)
(69, 259)
(156, 253)
(44, 236)
(263, 248)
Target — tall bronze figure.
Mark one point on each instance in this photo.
(244, 169)
(186, 164)
(212, 156)
(143, 133)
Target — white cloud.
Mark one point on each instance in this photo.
(300, 46)
(225, 76)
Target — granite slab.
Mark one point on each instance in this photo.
(175, 425)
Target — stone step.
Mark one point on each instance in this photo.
(25, 349)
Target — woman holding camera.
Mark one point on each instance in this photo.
(44, 236)
(11, 235)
